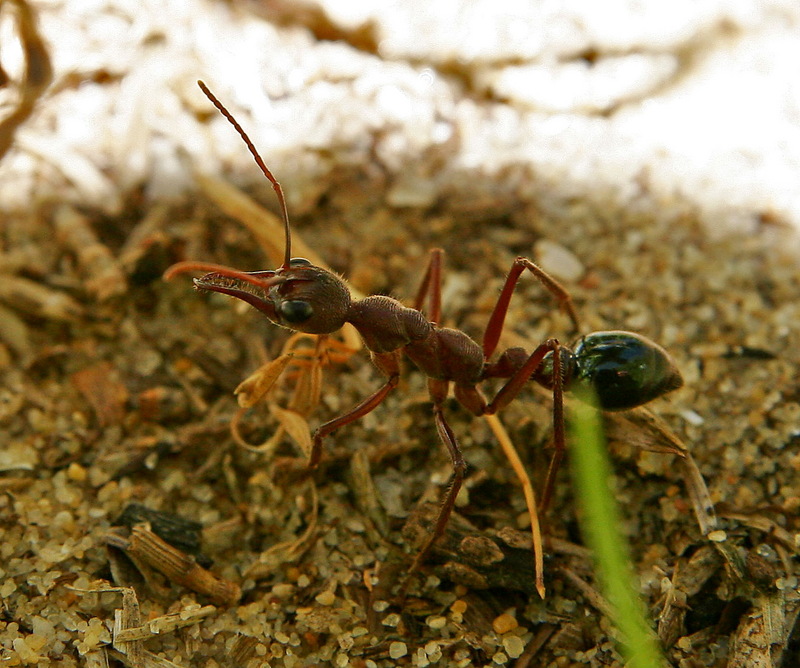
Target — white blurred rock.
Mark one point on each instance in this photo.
(695, 106)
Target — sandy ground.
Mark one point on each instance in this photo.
(598, 146)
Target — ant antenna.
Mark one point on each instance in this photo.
(275, 185)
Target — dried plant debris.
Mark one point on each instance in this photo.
(129, 632)
(120, 427)
(36, 76)
(475, 558)
(149, 552)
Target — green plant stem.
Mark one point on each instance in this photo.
(601, 528)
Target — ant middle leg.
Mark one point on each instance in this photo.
(438, 390)
(431, 287)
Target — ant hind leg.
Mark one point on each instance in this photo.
(495, 326)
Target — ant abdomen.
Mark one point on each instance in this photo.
(622, 369)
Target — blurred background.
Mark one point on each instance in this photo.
(625, 102)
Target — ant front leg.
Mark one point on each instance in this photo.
(431, 287)
(514, 385)
(498, 317)
(389, 364)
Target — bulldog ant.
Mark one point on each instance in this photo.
(622, 369)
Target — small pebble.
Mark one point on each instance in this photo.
(391, 620)
(459, 607)
(283, 590)
(437, 622)
(500, 658)
(557, 260)
(692, 417)
(76, 472)
(325, 598)
(513, 646)
(397, 649)
(504, 623)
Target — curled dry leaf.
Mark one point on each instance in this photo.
(295, 425)
(641, 428)
(253, 388)
(307, 363)
(308, 388)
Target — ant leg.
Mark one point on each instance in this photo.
(431, 287)
(389, 364)
(496, 320)
(438, 391)
(515, 384)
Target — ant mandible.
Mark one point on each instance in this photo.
(621, 369)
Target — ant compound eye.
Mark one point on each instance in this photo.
(299, 262)
(296, 311)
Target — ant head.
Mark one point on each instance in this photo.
(623, 369)
(298, 294)
(304, 297)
